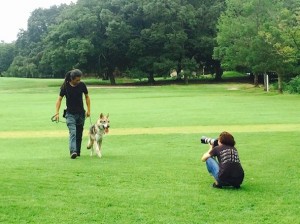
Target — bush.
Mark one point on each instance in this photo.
(274, 86)
(136, 74)
(293, 86)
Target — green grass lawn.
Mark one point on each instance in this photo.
(150, 171)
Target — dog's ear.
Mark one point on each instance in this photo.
(101, 115)
(107, 115)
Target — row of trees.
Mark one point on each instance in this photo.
(139, 37)
(145, 38)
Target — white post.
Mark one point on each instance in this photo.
(267, 77)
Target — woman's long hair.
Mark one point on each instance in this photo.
(71, 75)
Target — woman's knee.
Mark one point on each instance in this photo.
(212, 166)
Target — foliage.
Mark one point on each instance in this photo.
(6, 56)
(30, 46)
(164, 66)
(293, 86)
(135, 73)
(100, 36)
(261, 35)
(154, 37)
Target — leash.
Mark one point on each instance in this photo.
(91, 121)
(58, 121)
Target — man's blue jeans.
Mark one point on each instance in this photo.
(213, 168)
(75, 123)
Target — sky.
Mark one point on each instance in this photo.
(15, 13)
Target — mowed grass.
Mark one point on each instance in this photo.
(151, 170)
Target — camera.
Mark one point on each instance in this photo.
(206, 140)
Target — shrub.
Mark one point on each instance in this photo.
(293, 85)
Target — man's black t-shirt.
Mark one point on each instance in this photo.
(73, 95)
(231, 171)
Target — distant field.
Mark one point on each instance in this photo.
(151, 170)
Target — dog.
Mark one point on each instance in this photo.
(96, 133)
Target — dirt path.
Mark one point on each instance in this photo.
(160, 130)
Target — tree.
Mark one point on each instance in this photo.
(251, 35)
(188, 67)
(69, 42)
(6, 56)
(116, 39)
(169, 31)
(202, 40)
(239, 44)
(29, 44)
(283, 35)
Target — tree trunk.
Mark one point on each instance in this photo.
(219, 71)
(280, 89)
(112, 79)
(111, 76)
(151, 80)
(255, 79)
(186, 79)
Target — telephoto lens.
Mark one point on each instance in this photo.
(206, 140)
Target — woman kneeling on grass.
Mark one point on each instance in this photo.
(227, 171)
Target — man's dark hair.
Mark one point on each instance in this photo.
(71, 75)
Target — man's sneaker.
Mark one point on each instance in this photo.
(73, 155)
(216, 185)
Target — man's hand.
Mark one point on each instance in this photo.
(56, 118)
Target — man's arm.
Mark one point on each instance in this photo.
(88, 105)
(57, 106)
